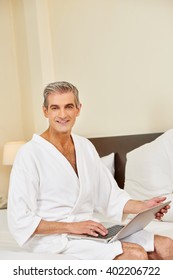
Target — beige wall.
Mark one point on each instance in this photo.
(117, 52)
(120, 55)
(11, 121)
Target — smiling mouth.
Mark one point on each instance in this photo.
(62, 122)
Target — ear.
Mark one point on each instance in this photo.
(78, 110)
(45, 111)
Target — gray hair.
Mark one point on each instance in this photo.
(60, 87)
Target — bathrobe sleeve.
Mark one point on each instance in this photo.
(109, 198)
(22, 201)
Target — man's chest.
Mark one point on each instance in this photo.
(71, 157)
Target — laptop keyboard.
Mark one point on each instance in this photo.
(111, 231)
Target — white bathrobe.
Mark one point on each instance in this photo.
(44, 185)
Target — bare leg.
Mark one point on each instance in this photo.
(163, 248)
(132, 251)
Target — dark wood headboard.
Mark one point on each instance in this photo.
(121, 145)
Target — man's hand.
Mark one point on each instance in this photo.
(136, 206)
(156, 201)
(87, 227)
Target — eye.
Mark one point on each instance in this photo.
(54, 108)
(70, 106)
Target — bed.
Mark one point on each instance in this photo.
(119, 146)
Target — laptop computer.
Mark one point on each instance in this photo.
(117, 232)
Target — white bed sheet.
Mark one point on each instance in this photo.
(9, 249)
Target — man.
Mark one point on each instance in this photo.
(58, 183)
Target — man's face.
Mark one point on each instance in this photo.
(61, 111)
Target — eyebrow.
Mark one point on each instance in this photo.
(56, 105)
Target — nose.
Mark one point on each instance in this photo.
(62, 113)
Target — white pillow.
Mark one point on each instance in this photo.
(149, 169)
(109, 162)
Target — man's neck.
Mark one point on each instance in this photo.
(59, 140)
(64, 144)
